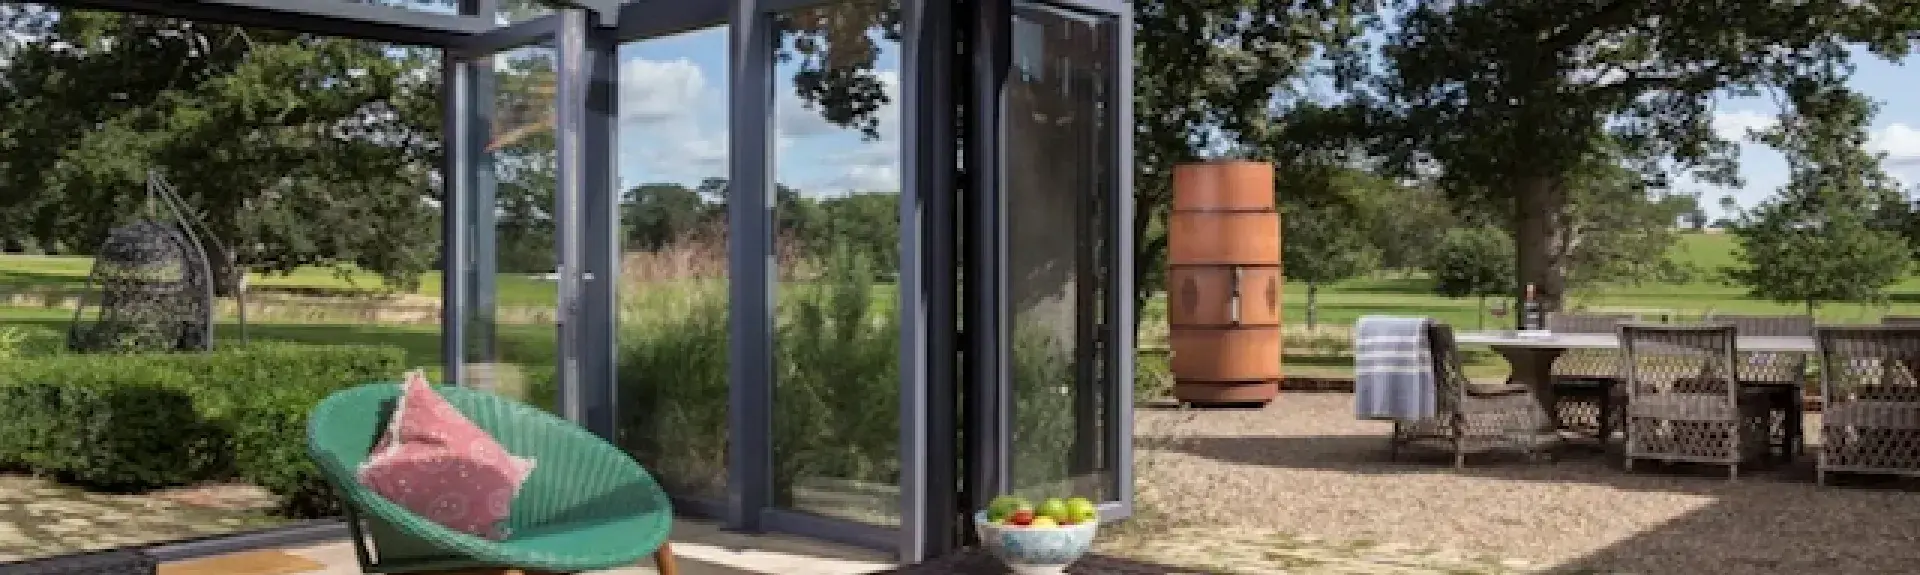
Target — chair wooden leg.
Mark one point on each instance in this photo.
(663, 559)
(1605, 417)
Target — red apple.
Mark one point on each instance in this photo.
(1022, 517)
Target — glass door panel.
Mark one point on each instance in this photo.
(1057, 185)
(673, 284)
(511, 338)
(836, 401)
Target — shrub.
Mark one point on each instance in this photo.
(837, 386)
(1152, 376)
(269, 450)
(18, 341)
(673, 384)
(265, 393)
(837, 402)
(123, 424)
(1043, 418)
(151, 420)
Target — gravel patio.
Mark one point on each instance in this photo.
(1303, 469)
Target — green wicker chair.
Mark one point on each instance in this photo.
(587, 506)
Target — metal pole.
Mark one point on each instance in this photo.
(570, 103)
(750, 265)
(456, 183)
(598, 352)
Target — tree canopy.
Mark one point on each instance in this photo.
(1325, 232)
(1473, 262)
(294, 150)
(1507, 99)
(1561, 123)
(1818, 241)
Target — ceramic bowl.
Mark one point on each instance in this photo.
(1035, 550)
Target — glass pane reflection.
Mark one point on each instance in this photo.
(511, 344)
(1058, 180)
(837, 341)
(673, 272)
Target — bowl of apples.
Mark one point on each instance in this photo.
(1039, 540)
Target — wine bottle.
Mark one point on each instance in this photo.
(1531, 317)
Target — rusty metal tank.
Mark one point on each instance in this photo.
(1224, 283)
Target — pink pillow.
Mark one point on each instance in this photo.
(435, 462)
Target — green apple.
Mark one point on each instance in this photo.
(1081, 510)
(1055, 509)
(1005, 505)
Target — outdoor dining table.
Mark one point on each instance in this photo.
(1531, 356)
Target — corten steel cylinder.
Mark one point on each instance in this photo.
(1224, 283)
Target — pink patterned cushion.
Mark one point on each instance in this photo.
(435, 462)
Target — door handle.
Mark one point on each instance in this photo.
(1233, 298)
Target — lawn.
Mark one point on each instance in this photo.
(1707, 253)
(1316, 351)
(24, 273)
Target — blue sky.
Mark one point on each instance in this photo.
(674, 97)
(1896, 132)
(674, 122)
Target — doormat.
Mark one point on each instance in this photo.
(249, 563)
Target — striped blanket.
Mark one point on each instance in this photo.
(1392, 369)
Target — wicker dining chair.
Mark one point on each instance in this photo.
(1474, 417)
(1684, 401)
(1870, 411)
(1586, 382)
(1782, 375)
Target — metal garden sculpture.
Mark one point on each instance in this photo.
(151, 289)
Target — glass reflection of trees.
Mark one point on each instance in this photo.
(1059, 180)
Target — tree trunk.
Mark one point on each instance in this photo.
(1810, 306)
(1480, 317)
(1539, 240)
(226, 275)
(1313, 305)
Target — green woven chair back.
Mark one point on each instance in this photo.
(587, 506)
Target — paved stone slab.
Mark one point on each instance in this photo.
(39, 518)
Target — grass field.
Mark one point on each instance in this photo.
(1339, 305)
(1342, 303)
(20, 273)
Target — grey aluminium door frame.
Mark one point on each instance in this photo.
(1118, 329)
(987, 398)
(467, 180)
(364, 20)
(751, 207)
(587, 219)
(989, 384)
(1120, 241)
(929, 286)
(750, 282)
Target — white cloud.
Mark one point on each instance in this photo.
(1736, 125)
(864, 179)
(1897, 140)
(1901, 143)
(796, 120)
(839, 159)
(673, 122)
(656, 91)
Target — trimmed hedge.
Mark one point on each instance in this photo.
(114, 425)
(132, 422)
